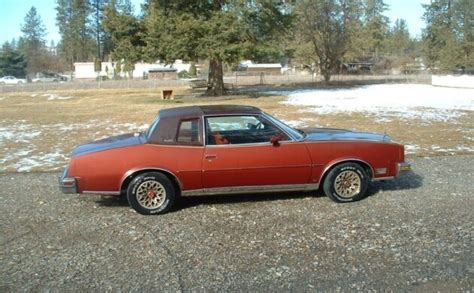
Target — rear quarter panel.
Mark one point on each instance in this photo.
(105, 170)
(325, 154)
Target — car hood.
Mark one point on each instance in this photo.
(108, 143)
(320, 134)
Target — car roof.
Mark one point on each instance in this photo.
(195, 111)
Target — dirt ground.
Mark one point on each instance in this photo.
(412, 234)
(38, 130)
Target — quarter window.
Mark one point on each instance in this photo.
(188, 132)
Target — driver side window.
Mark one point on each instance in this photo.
(240, 130)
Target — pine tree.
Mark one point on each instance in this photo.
(126, 34)
(73, 20)
(101, 36)
(464, 29)
(12, 61)
(221, 31)
(448, 36)
(32, 42)
(326, 31)
(400, 42)
(376, 27)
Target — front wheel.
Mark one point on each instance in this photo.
(346, 182)
(151, 193)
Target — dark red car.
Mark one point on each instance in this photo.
(229, 149)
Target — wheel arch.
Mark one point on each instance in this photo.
(128, 177)
(364, 164)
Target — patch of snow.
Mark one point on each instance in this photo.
(411, 148)
(295, 123)
(408, 101)
(25, 156)
(45, 161)
(459, 148)
(383, 119)
(462, 81)
(6, 134)
(18, 133)
(55, 97)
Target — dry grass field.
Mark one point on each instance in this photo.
(39, 129)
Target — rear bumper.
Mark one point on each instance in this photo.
(67, 185)
(402, 168)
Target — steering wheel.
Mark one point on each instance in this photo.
(255, 126)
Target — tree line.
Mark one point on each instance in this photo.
(319, 35)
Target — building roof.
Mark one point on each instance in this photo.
(269, 65)
(162, 69)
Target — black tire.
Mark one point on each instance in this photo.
(151, 182)
(352, 181)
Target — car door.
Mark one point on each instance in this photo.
(238, 152)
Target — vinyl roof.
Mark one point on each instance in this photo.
(208, 110)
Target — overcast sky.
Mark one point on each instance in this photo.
(12, 14)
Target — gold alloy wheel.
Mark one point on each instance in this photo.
(151, 194)
(347, 184)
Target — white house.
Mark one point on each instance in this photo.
(85, 70)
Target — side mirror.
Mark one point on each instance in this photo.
(275, 140)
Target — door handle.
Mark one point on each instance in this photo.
(210, 157)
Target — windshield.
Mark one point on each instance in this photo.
(152, 127)
(295, 134)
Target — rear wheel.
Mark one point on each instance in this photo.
(346, 182)
(151, 193)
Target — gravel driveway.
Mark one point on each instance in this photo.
(415, 233)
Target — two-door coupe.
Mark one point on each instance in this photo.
(229, 149)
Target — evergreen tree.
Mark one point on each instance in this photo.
(73, 20)
(448, 36)
(325, 30)
(222, 31)
(464, 30)
(400, 42)
(376, 27)
(126, 34)
(32, 42)
(101, 36)
(12, 61)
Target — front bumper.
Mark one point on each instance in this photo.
(403, 167)
(67, 184)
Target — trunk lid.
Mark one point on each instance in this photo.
(108, 143)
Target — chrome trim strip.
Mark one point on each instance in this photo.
(101, 192)
(251, 189)
(250, 144)
(350, 140)
(383, 178)
(174, 145)
(257, 168)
